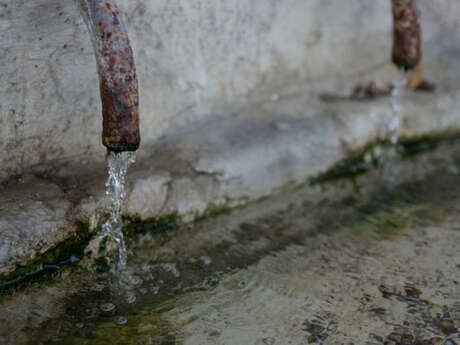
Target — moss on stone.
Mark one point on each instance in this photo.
(64, 254)
(373, 155)
(134, 226)
(366, 159)
(413, 146)
(71, 250)
(212, 212)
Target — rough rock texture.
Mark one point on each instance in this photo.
(224, 162)
(192, 59)
(32, 215)
(229, 103)
(369, 260)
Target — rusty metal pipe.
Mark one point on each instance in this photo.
(117, 74)
(407, 34)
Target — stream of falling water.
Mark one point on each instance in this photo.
(394, 126)
(118, 164)
(397, 106)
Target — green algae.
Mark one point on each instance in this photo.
(385, 214)
(374, 155)
(388, 223)
(212, 212)
(69, 252)
(65, 254)
(135, 226)
(414, 146)
(144, 327)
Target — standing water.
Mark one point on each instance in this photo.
(118, 164)
(361, 266)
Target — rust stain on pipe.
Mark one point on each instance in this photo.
(407, 34)
(117, 74)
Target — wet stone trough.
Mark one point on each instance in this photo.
(363, 259)
(298, 180)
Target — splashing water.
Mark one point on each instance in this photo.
(394, 126)
(118, 164)
(397, 106)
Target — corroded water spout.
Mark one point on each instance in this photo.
(117, 74)
(407, 41)
(407, 34)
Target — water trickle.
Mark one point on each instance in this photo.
(171, 268)
(107, 307)
(130, 299)
(122, 321)
(397, 106)
(206, 260)
(118, 164)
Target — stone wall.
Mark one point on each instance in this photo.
(194, 59)
(229, 102)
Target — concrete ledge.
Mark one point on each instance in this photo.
(240, 155)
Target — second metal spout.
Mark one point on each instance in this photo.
(407, 34)
(117, 74)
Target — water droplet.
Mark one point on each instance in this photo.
(131, 299)
(171, 267)
(97, 287)
(74, 258)
(206, 260)
(275, 97)
(282, 126)
(397, 106)
(450, 342)
(135, 281)
(394, 129)
(145, 268)
(107, 307)
(122, 321)
(268, 341)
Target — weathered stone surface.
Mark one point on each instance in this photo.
(231, 88)
(370, 260)
(148, 197)
(226, 162)
(33, 219)
(192, 59)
